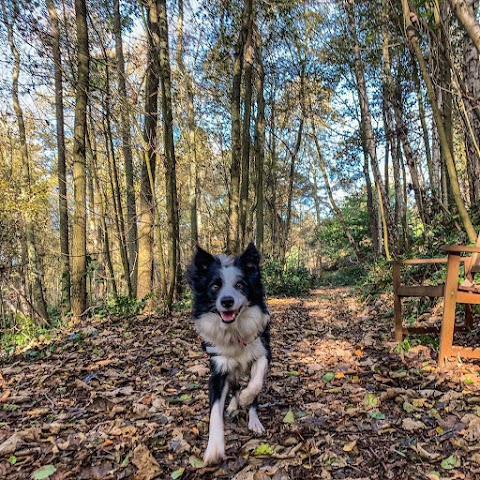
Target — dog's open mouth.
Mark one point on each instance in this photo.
(229, 317)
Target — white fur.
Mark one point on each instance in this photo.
(215, 451)
(236, 344)
(254, 387)
(254, 423)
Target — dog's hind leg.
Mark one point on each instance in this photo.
(254, 423)
(218, 389)
(232, 409)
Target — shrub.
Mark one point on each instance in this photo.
(287, 282)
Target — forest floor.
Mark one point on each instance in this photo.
(128, 399)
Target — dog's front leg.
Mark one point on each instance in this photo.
(218, 389)
(254, 386)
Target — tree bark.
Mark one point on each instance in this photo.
(260, 142)
(467, 15)
(132, 233)
(452, 172)
(79, 232)
(147, 200)
(194, 180)
(170, 160)
(246, 139)
(235, 168)
(61, 160)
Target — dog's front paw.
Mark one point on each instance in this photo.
(247, 397)
(232, 409)
(214, 454)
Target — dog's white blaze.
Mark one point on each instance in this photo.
(230, 276)
(215, 451)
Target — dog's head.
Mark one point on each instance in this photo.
(225, 285)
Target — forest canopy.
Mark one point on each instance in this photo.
(328, 133)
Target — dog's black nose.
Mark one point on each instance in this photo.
(227, 302)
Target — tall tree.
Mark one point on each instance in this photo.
(235, 167)
(452, 171)
(61, 156)
(35, 275)
(147, 200)
(126, 148)
(79, 232)
(169, 148)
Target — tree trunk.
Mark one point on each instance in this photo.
(333, 203)
(467, 14)
(368, 135)
(79, 232)
(147, 201)
(246, 139)
(194, 183)
(260, 142)
(452, 172)
(35, 269)
(471, 75)
(235, 168)
(132, 233)
(61, 160)
(169, 145)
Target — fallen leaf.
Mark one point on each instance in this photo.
(178, 473)
(146, 464)
(289, 417)
(263, 449)
(412, 425)
(43, 472)
(11, 444)
(450, 462)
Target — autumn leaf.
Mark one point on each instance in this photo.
(263, 449)
(450, 462)
(289, 417)
(177, 473)
(370, 401)
(43, 472)
(328, 377)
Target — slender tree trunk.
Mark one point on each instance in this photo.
(246, 139)
(260, 141)
(368, 135)
(452, 172)
(471, 75)
(333, 203)
(127, 150)
(169, 145)
(147, 200)
(61, 161)
(235, 168)
(194, 184)
(466, 13)
(410, 154)
(79, 233)
(35, 269)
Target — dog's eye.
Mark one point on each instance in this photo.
(214, 287)
(239, 286)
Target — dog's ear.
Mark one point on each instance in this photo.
(250, 259)
(202, 260)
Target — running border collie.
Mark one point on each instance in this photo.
(231, 316)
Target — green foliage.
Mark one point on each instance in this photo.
(291, 281)
(122, 306)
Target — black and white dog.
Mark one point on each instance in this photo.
(232, 318)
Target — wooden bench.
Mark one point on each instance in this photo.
(466, 293)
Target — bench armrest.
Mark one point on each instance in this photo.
(459, 249)
(418, 261)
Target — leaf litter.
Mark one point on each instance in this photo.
(128, 399)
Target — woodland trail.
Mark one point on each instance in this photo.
(127, 398)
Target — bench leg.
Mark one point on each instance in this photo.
(397, 304)
(468, 316)
(450, 302)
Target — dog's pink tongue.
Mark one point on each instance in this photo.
(228, 316)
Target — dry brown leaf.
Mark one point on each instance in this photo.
(10, 445)
(147, 466)
(412, 425)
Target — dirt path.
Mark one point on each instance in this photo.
(128, 399)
